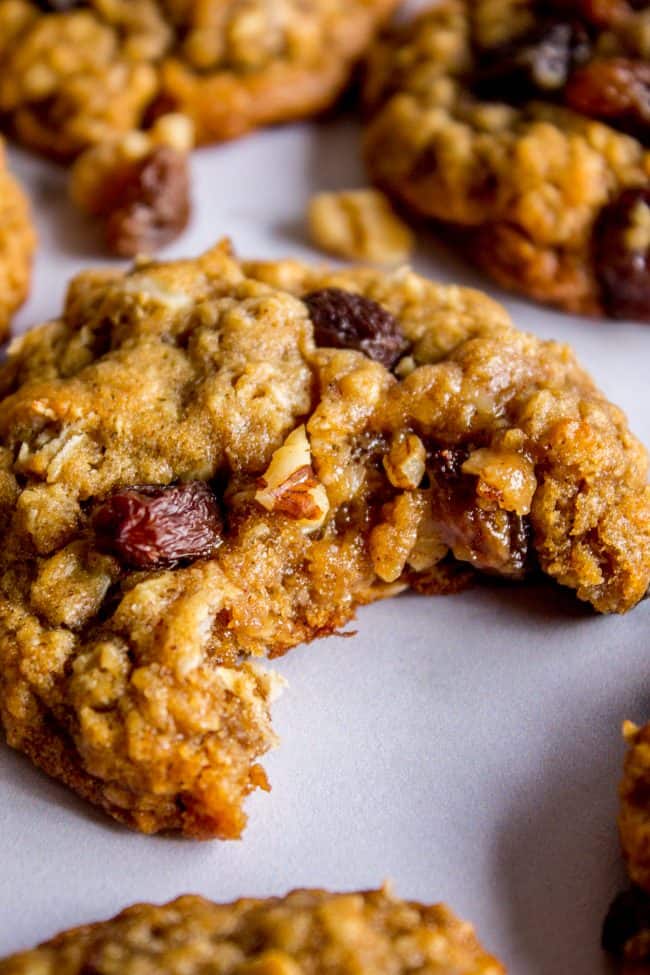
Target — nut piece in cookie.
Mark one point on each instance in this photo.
(17, 245)
(524, 127)
(359, 225)
(210, 461)
(304, 931)
(289, 485)
(138, 185)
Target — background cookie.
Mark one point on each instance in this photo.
(75, 77)
(522, 126)
(305, 931)
(17, 245)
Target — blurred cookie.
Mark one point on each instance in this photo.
(77, 74)
(17, 245)
(523, 125)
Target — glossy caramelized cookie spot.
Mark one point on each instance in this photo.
(207, 462)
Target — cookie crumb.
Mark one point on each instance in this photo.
(359, 225)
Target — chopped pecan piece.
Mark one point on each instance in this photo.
(359, 225)
(289, 485)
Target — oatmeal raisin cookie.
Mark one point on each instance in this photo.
(310, 932)
(17, 245)
(75, 75)
(523, 125)
(208, 461)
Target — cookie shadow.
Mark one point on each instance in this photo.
(557, 863)
(37, 794)
(62, 225)
(538, 599)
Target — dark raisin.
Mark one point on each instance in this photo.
(621, 249)
(607, 13)
(58, 5)
(151, 204)
(627, 917)
(149, 527)
(488, 537)
(344, 320)
(616, 90)
(539, 62)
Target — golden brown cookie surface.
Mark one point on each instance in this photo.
(74, 75)
(524, 126)
(209, 461)
(307, 931)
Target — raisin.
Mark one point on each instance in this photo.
(488, 537)
(539, 62)
(58, 6)
(609, 13)
(344, 320)
(616, 90)
(151, 204)
(150, 527)
(621, 250)
(627, 917)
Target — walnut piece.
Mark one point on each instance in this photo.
(405, 463)
(290, 487)
(359, 225)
